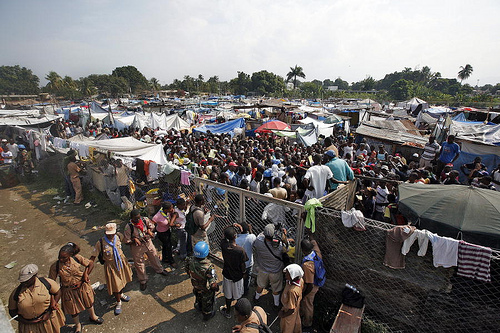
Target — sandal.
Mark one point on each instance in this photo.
(97, 321)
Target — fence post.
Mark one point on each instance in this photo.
(299, 235)
(243, 217)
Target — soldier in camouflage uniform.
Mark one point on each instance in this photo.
(203, 279)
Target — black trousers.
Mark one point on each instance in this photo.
(166, 246)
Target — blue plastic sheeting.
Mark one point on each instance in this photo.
(226, 127)
(209, 103)
(491, 162)
(250, 133)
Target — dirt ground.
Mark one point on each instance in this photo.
(34, 225)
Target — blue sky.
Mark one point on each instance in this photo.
(166, 39)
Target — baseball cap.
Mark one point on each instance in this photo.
(110, 228)
(331, 153)
(27, 272)
(233, 164)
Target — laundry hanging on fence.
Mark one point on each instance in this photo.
(185, 177)
(353, 218)
(423, 242)
(393, 244)
(474, 261)
(444, 250)
(310, 208)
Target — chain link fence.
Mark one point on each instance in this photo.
(230, 205)
(419, 298)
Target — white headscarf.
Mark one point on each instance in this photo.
(294, 270)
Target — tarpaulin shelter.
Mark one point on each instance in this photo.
(165, 122)
(454, 211)
(414, 105)
(272, 125)
(322, 128)
(130, 147)
(227, 127)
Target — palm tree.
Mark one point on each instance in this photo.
(294, 72)
(55, 81)
(465, 72)
(154, 84)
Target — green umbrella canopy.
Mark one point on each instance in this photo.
(464, 208)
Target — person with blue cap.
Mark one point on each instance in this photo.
(340, 169)
(203, 279)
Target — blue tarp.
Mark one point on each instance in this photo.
(491, 162)
(226, 127)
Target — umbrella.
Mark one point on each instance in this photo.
(275, 125)
(449, 209)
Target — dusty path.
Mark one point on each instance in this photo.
(33, 228)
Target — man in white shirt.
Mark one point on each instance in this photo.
(13, 148)
(245, 239)
(7, 155)
(316, 177)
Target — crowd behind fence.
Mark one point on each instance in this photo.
(230, 204)
(419, 298)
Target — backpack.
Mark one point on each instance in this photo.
(100, 256)
(191, 227)
(262, 327)
(18, 290)
(319, 268)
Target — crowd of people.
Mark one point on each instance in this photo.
(267, 164)
(39, 303)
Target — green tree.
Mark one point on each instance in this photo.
(311, 89)
(86, 87)
(343, 85)
(294, 72)
(18, 80)
(188, 84)
(109, 85)
(465, 72)
(213, 85)
(154, 84)
(240, 85)
(135, 79)
(55, 82)
(200, 81)
(401, 90)
(267, 83)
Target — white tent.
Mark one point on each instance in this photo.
(325, 129)
(130, 147)
(413, 103)
(168, 122)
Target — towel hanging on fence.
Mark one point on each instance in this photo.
(393, 244)
(310, 208)
(474, 261)
(444, 250)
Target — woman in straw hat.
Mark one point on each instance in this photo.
(116, 268)
(77, 294)
(34, 303)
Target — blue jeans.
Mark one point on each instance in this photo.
(182, 236)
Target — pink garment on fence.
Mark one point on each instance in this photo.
(185, 177)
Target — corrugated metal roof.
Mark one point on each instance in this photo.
(390, 130)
